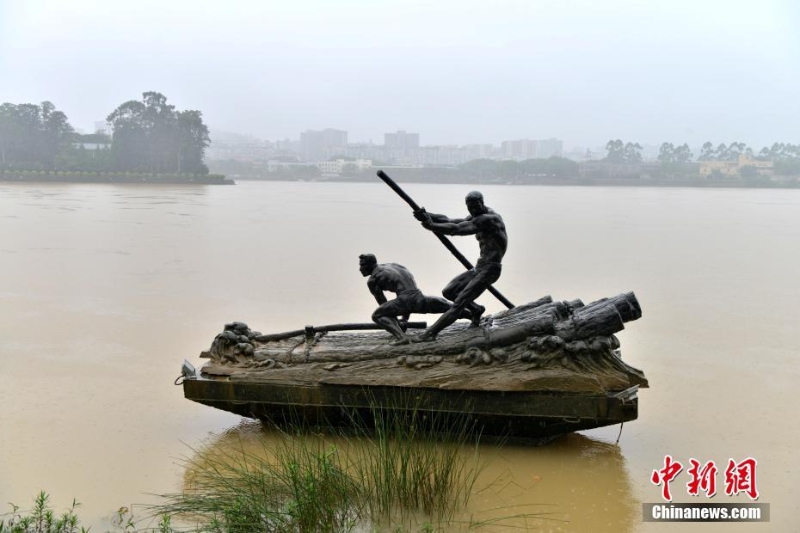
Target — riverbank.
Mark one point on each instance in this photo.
(94, 177)
(728, 183)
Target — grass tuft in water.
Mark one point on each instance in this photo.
(417, 461)
(41, 519)
(298, 487)
(408, 464)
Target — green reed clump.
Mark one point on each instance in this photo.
(418, 461)
(407, 463)
(41, 519)
(302, 487)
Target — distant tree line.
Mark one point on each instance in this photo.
(785, 157)
(489, 169)
(33, 135)
(669, 153)
(619, 152)
(147, 136)
(722, 152)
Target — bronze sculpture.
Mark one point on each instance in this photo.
(532, 371)
(490, 230)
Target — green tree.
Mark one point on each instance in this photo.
(735, 149)
(722, 153)
(666, 154)
(161, 123)
(480, 168)
(193, 139)
(129, 140)
(616, 151)
(633, 153)
(683, 154)
(619, 152)
(552, 167)
(707, 152)
(27, 143)
(151, 136)
(56, 134)
(675, 161)
(32, 136)
(8, 129)
(508, 169)
(561, 167)
(777, 151)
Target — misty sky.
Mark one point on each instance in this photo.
(457, 72)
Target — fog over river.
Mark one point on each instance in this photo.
(105, 289)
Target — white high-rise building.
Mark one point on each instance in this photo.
(401, 141)
(317, 145)
(519, 149)
(549, 147)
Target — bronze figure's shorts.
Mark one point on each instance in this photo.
(471, 284)
(407, 302)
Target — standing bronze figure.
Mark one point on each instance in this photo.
(489, 229)
(444, 240)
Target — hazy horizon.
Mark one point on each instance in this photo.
(455, 72)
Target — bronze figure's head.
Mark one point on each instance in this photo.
(367, 263)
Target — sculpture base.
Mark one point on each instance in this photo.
(532, 416)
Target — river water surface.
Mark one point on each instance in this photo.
(105, 289)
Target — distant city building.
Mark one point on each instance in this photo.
(282, 166)
(317, 145)
(340, 165)
(734, 167)
(320, 147)
(439, 156)
(246, 149)
(287, 147)
(401, 141)
(580, 154)
(549, 148)
(518, 149)
(479, 151)
(366, 151)
(531, 149)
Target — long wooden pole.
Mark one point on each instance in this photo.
(444, 240)
(310, 330)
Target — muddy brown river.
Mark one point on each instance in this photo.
(105, 289)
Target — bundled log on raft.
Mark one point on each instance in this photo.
(532, 372)
(573, 341)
